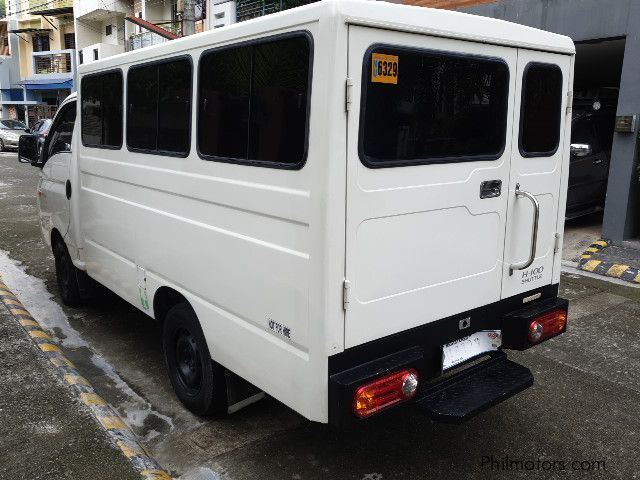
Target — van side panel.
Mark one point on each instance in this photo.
(245, 245)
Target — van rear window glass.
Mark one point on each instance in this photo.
(254, 103)
(541, 110)
(159, 107)
(101, 121)
(421, 106)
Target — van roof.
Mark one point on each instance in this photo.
(371, 13)
(452, 24)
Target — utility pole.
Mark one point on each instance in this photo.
(189, 17)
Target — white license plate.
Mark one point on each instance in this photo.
(457, 352)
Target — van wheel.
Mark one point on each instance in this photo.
(2, 147)
(66, 275)
(198, 381)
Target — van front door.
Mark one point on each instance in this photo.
(535, 214)
(55, 187)
(428, 172)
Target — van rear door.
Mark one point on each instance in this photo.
(536, 171)
(428, 178)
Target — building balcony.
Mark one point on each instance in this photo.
(98, 10)
(54, 62)
(148, 38)
(97, 51)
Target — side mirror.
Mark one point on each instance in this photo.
(581, 149)
(28, 149)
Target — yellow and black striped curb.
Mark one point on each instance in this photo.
(104, 413)
(609, 269)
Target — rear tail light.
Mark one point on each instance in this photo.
(547, 325)
(385, 392)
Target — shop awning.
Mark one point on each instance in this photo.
(152, 27)
(29, 30)
(52, 12)
(47, 83)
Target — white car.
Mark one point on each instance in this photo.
(10, 133)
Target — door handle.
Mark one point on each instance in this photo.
(597, 161)
(68, 190)
(534, 233)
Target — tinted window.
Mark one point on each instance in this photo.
(159, 112)
(253, 102)
(541, 110)
(12, 124)
(102, 110)
(422, 106)
(59, 139)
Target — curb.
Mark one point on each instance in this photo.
(608, 269)
(105, 414)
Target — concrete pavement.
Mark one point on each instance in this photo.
(583, 413)
(45, 432)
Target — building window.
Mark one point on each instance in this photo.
(159, 107)
(69, 41)
(254, 102)
(541, 110)
(41, 43)
(421, 106)
(108, 30)
(102, 110)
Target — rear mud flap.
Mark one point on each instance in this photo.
(472, 391)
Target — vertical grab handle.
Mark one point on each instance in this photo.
(534, 233)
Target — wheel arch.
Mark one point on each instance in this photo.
(164, 299)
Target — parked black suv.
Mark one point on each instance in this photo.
(591, 140)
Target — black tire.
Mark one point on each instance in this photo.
(66, 275)
(2, 147)
(198, 381)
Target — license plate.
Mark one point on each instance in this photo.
(457, 352)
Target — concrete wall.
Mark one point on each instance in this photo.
(585, 20)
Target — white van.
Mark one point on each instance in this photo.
(350, 205)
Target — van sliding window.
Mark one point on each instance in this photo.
(253, 102)
(159, 107)
(541, 111)
(101, 121)
(424, 106)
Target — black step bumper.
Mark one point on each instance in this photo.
(474, 390)
(456, 395)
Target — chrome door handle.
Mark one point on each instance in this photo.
(534, 233)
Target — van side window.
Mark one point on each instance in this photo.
(422, 106)
(540, 114)
(101, 120)
(159, 107)
(59, 138)
(254, 103)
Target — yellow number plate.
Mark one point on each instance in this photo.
(384, 68)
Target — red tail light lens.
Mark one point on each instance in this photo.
(547, 325)
(385, 392)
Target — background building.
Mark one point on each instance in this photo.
(38, 70)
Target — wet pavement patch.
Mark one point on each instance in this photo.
(80, 388)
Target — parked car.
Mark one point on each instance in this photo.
(10, 132)
(345, 246)
(41, 129)
(591, 141)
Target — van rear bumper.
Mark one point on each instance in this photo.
(492, 380)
